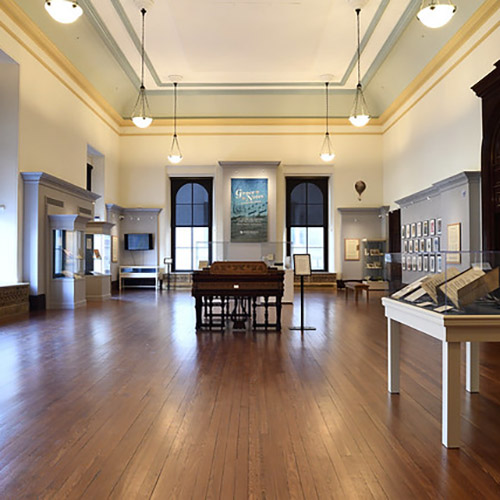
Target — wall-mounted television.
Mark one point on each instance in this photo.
(139, 241)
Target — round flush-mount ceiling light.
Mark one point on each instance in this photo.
(63, 11)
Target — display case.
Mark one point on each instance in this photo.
(373, 261)
(67, 286)
(463, 283)
(98, 260)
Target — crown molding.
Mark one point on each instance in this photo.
(32, 31)
(476, 21)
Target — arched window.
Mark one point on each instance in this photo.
(191, 222)
(307, 219)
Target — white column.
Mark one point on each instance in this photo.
(393, 328)
(472, 366)
(451, 395)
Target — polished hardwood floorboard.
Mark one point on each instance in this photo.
(124, 400)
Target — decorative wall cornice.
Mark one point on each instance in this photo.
(47, 180)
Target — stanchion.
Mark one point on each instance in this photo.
(302, 328)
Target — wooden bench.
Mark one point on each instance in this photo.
(358, 289)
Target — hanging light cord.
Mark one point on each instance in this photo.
(359, 52)
(175, 109)
(326, 92)
(143, 11)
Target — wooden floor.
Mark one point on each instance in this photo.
(123, 400)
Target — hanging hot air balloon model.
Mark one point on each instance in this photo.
(360, 186)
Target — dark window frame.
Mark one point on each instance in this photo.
(322, 184)
(176, 183)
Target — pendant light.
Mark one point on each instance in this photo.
(141, 115)
(327, 153)
(175, 155)
(359, 114)
(435, 14)
(63, 11)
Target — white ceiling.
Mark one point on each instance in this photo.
(242, 46)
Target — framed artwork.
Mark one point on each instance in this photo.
(432, 263)
(408, 262)
(439, 226)
(351, 248)
(407, 230)
(403, 231)
(454, 243)
(436, 245)
(419, 263)
(432, 227)
(425, 231)
(419, 229)
(405, 246)
(302, 264)
(414, 262)
(422, 245)
(403, 263)
(439, 264)
(249, 210)
(426, 263)
(428, 245)
(114, 249)
(413, 230)
(410, 246)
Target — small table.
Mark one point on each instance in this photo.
(358, 289)
(451, 330)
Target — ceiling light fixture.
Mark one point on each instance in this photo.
(435, 14)
(141, 115)
(63, 11)
(359, 114)
(327, 153)
(175, 155)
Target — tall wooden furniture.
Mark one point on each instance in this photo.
(489, 90)
(234, 289)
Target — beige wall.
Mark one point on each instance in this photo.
(438, 133)
(144, 168)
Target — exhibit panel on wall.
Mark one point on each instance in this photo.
(249, 198)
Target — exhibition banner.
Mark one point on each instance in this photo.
(248, 210)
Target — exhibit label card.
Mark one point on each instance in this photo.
(248, 210)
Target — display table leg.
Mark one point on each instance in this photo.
(393, 328)
(451, 395)
(472, 366)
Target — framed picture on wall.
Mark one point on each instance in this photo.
(436, 245)
(408, 262)
(405, 246)
(428, 245)
(439, 264)
(439, 226)
(419, 263)
(351, 248)
(413, 230)
(114, 249)
(422, 245)
(403, 231)
(419, 229)
(432, 263)
(454, 240)
(432, 227)
(403, 263)
(407, 230)
(426, 263)
(410, 246)
(414, 262)
(426, 228)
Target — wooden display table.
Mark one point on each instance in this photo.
(358, 289)
(451, 330)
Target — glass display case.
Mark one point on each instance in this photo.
(67, 252)
(373, 262)
(97, 254)
(456, 283)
